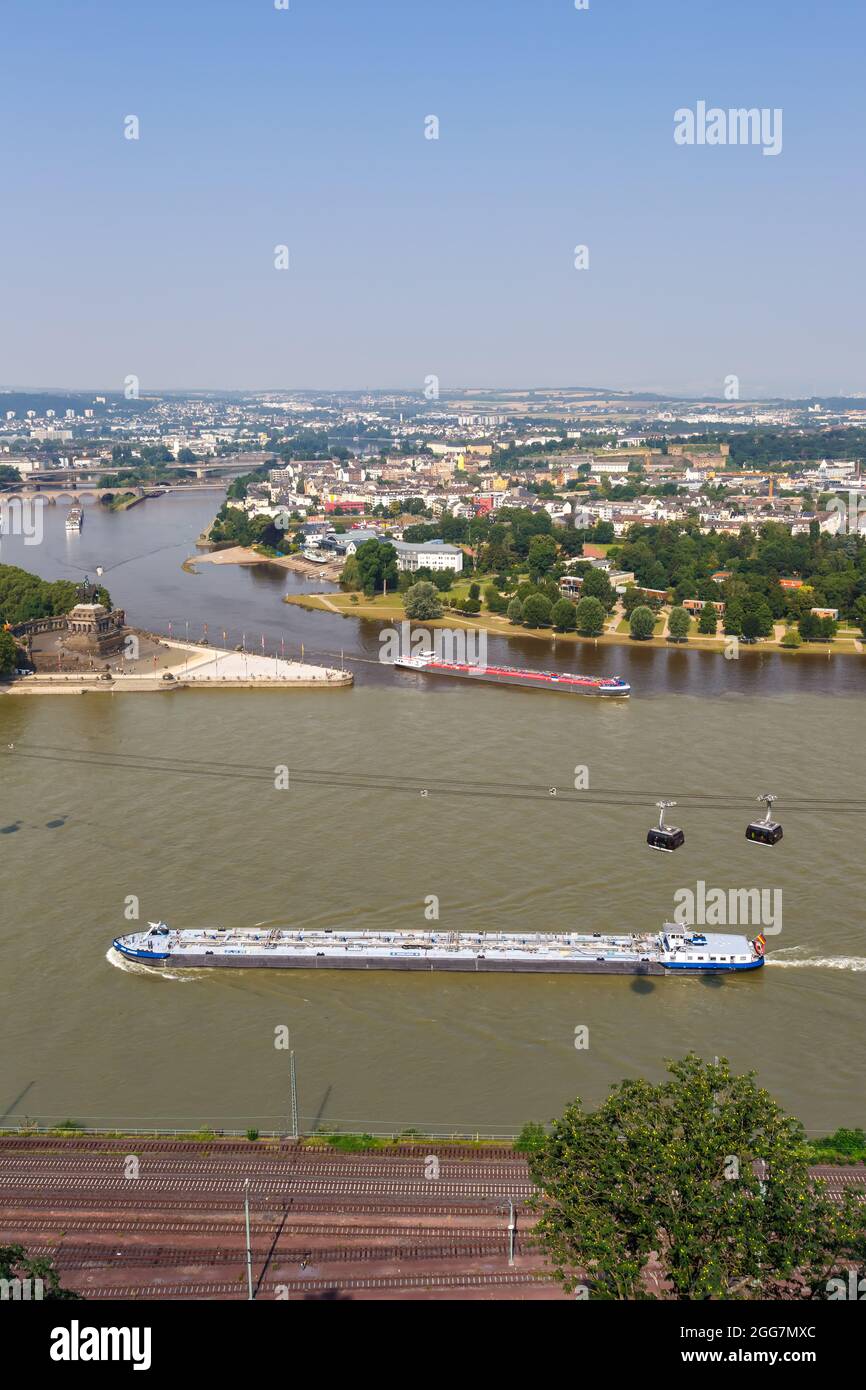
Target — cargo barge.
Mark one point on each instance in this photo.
(429, 664)
(672, 951)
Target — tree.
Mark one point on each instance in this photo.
(703, 1175)
(541, 556)
(515, 611)
(791, 639)
(537, 610)
(708, 620)
(421, 602)
(589, 616)
(377, 565)
(597, 585)
(860, 614)
(642, 624)
(8, 653)
(14, 1264)
(496, 602)
(9, 476)
(679, 623)
(350, 575)
(563, 615)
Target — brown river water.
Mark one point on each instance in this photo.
(86, 1039)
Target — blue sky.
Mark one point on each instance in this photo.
(409, 256)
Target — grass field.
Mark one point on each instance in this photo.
(389, 607)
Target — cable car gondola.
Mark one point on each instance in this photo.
(765, 831)
(665, 837)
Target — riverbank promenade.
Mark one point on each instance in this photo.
(185, 665)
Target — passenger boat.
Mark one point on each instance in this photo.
(672, 951)
(429, 664)
(74, 519)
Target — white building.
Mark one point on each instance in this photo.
(431, 555)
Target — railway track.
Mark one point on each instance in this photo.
(440, 1191)
(287, 1288)
(246, 1149)
(92, 1256)
(41, 1168)
(260, 1231)
(347, 1205)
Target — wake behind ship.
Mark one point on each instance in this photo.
(668, 952)
(429, 664)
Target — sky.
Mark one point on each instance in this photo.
(411, 257)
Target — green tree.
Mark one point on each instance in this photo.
(496, 602)
(350, 575)
(642, 623)
(537, 610)
(377, 565)
(14, 1264)
(589, 617)
(597, 585)
(515, 611)
(679, 623)
(421, 602)
(704, 1175)
(708, 620)
(8, 653)
(563, 615)
(541, 556)
(860, 614)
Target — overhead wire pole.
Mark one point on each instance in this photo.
(249, 1247)
(294, 1095)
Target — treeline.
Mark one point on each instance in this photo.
(146, 463)
(24, 596)
(231, 526)
(680, 558)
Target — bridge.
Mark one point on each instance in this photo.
(74, 492)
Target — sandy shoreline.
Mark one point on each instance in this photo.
(244, 555)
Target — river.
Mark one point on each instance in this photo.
(87, 1040)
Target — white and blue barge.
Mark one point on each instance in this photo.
(672, 951)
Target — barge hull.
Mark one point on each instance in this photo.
(498, 967)
(527, 682)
